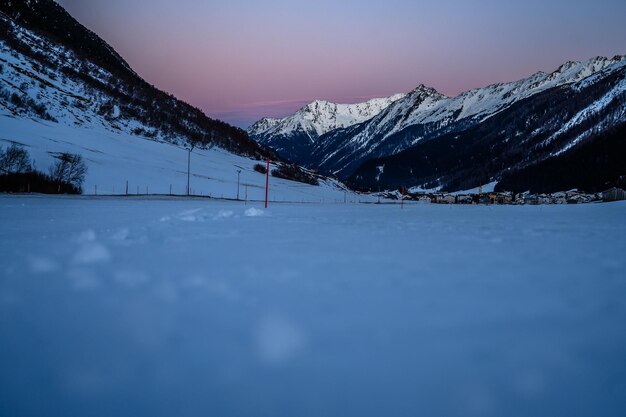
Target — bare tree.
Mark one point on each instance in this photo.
(69, 168)
(14, 160)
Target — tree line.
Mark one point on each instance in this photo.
(17, 173)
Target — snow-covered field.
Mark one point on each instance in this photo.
(172, 307)
(150, 167)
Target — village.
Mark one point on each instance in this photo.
(509, 198)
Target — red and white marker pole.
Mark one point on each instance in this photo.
(267, 180)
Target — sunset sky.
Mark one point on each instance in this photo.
(241, 60)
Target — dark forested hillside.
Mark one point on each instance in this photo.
(596, 165)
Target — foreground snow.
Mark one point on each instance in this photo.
(170, 307)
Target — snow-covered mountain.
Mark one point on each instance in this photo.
(63, 89)
(566, 136)
(364, 153)
(294, 136)
(477, 104)
(424, 113)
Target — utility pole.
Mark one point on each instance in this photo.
(189, 165)
(193, 145)
(238, 175)
(267, 180)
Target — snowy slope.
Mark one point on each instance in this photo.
(48, 108)
(593, 115)
(111, 307)
(150, 166)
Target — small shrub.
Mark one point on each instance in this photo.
(260, 168)
(294, 173)
(16, 100)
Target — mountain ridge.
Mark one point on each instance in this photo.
(383, 135)
(294, 135)
(536, 133)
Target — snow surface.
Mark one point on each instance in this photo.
(113, 306)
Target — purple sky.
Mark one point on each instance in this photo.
(240, 60)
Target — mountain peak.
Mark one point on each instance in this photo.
(315, 119)
(320, 116)
(425, 91)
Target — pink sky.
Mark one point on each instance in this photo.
(241, 60)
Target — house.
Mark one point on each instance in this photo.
(531, 199)
(535, 199)
(464, 199)
(445, 199)
(614, 194)
(576, 199)
(503, 198)
(484, 199)
(559, 198)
